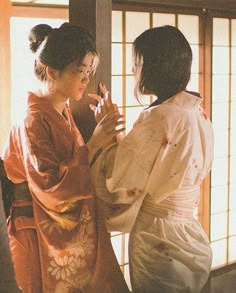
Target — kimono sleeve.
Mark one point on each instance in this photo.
(7, 280)
(54, 182)
(152, 159)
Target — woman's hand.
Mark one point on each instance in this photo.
(107, 128)
(110, 123)
(104, 105)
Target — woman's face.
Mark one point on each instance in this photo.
(73, 81)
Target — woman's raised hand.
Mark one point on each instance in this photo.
(109, 127)
(110, 122)
(104, 105)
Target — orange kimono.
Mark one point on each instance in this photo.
(59, 243)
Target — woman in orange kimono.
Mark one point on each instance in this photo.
(58, 241)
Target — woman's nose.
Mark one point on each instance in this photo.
(85, 78)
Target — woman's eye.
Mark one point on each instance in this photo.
(78, 69)
(84, 72)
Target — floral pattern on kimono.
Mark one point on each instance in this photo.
(149, 185)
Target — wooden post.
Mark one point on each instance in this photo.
(95, 16)
(5, 78)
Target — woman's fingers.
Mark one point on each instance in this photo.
(115, 107)
(120, 130)
(103, 88)
(106, 96)
(112, 124)
(92, 107)
(114, 115)
(95, 96)
(108, 101)
(112, 121)
(109, 126)
(104, 104)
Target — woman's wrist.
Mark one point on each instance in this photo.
(93, 148)
(120, 136)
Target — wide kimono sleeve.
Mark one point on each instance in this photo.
(154, 158)
(7, 280)
(55, 166)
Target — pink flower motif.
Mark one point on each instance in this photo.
(161, 247)
(204, 115)
(166, 142)
(131, 192)
(194, 163)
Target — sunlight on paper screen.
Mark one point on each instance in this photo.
(232, 250)
(189, 26)
(136, 23)
(116, 65)
(116, 26)
(219, 253)
(22, 61)
(218, 226)
(160, 19)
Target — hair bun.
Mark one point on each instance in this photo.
(66, 25)
(37, 35)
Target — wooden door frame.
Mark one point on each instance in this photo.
(95, 16)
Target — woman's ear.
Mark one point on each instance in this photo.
(52, 73)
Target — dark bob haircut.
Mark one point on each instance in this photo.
(163, 57)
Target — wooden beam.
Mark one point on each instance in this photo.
(95, 16)
(226, 5)
(40, 12)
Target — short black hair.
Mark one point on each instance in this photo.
(165, 57)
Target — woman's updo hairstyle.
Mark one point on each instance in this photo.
(60, 47)
(37, 36)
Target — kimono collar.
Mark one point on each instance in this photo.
(43, 104)
(189, 97)
(35, 100)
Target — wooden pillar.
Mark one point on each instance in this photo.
(5, 78)
(95, 16)
(204, 205)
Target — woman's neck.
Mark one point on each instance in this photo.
(58, 105)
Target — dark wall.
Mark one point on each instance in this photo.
(95, 16)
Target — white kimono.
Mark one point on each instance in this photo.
(149, 185)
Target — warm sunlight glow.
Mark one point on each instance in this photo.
(22, 61)
(223, 186)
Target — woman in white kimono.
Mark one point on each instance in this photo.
(149, 183)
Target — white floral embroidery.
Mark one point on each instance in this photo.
(62, 267)
(51, 225)
(72, 265)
